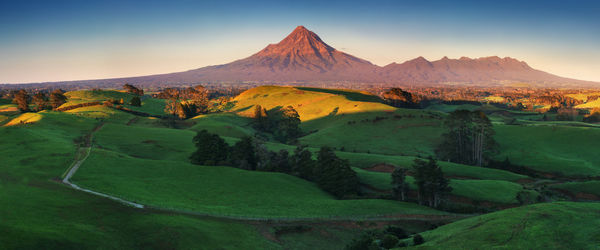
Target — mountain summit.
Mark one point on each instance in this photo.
(301, 56)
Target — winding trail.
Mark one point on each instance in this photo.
(77, 164)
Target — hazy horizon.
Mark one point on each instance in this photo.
(70, 40)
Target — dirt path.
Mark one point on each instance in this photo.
(77, 164)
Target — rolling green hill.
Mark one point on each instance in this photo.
(540, 226)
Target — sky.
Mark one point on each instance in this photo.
(43, 41)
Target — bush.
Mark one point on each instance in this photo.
(396, 231)
(364, 242)
(389, 241)
(418, 240)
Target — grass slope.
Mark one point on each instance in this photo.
(569, 151)
(540, 226)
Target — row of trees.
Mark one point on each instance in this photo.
(185, 103)
(331, 173)
(40, 100)
(283, 123)
(432, 185)
(469, 140)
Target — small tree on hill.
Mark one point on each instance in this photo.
(135, 101)
(288, 127)
(57, 98)
(302, 164)
(261, 118)
(399, 185)
(22, 100)
(211, 149)
(243, 154)
(334, 175)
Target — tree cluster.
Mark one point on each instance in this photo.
(133, 90)
(283, 123)
(40, 100)
(331, 173)
(377, 239)
(432, 186)
(185, 103)
(403, 99)
(469, 140)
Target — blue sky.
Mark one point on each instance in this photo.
(72, 40)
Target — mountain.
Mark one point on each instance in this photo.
(466, 70)
(303, 57)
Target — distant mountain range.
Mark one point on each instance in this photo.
(302, 57)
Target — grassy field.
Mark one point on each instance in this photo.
(540, 226)
(42, 213)
(401, 132)
(204, 189)
(569, 151)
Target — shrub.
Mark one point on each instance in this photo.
(418, 240)
(389, 241)
(396, 231)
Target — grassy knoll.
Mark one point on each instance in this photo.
(102, 113)
(24, 119)
(38, 212)
(496, 191)
(222, 191)
(149, 143)
(570, 151)
(224, 124)
(310, 103)
(539, 226)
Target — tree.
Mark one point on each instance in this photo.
(302, 164)
(418, 240)
(334, 175)
(389, 241)
(469, 139)
(243, 154)
(399, 184)
(57, 98)
(135, 101)
(211, 149)
(261, 118)
(22, 100)
(288, 127)
(41, 101)
(133, 90)
(432, 186)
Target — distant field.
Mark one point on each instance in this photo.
(539, 226)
